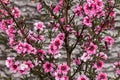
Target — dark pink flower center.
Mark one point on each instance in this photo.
(83, 79)
(14, 66)
(102, 77)
(48, 66)
(63, 68)
(57, 43)
(91, 48)
(99, 64)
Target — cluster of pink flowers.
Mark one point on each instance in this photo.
(117, 67)
(48, 67)
(5, 1)
(58, 7)
(82, 77)
(16, 66)
(25, 48)
(32, 42)
(56, 44)
(39, 7)
(16, 12)
(61, 72)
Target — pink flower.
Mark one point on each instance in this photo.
(63, 68)
(11, 31)
(14, 66)
(109, 40)
(42, 53)
(23, 69)
(92, 48)
(62, 19)
(117, 64)
(78, 10)
(60, 76)
(98, 65)
(16, 12)
(53, 49)
(113, 14)
(103, 56)
(57, 9)
(77, 61)
(90, 9)
(61, 36)
(39, 26)
(56, 44)
(39, 7)
(3, 25)
(5, 1)
(29, 63)
(9, 61)
(48, 67)
(87, 21)
(83, 77)
(57, 25)
(99, 4)
(85, 57)
(41, 38)
(118, 71)
(102, 76)
(24, 48)
(10, 21)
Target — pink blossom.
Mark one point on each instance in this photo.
(90, 9)
(100, 14)
(39, 7)
(57, 9)
(3, 25)
(41, 38)
(103, 56)
(85, 57)
(5, 1)
(78, 10)
(14, 67)
(99, 4)
(109, 40)
(9, 61)
(57, 25)
(60, 76)
(82, 77)
(61, 36)
(42, 53)
(53, 49)
(9, 21)
(39, 26)
(92, 48)
(113, 14)
(48, 67)
(87, 21)
(102, 76)
(62, 19)
(118, 71)
(117, 64)
(56, 44)
(77, 61)
(98, 65)
(23, 69)
(11, 31)
(16, 12)
(24, 48)
(63, 68)
(29, 63)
